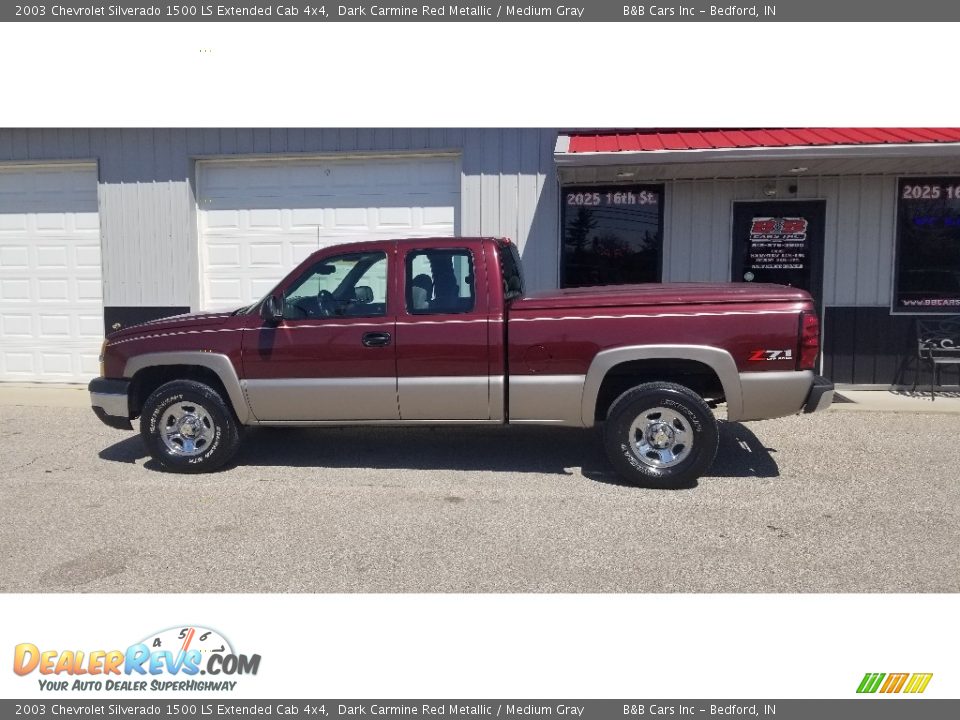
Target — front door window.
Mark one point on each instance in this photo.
(353, 285)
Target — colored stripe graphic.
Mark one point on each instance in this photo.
(918, 683)
(870, 682)
(894, 682)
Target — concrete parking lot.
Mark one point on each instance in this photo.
(836, 502)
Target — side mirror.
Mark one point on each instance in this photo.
(272, 309)
(363, 294)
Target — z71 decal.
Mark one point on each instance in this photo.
(759, 355)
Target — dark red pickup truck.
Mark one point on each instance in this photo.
(433, 331)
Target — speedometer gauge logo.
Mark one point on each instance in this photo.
(184, 639)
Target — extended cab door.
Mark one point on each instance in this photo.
(443, 326)
(333, 356)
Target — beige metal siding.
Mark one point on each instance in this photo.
(858, 252)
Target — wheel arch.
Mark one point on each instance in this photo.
(717, 360)
(146, 369)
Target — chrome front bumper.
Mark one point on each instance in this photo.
(108, 398)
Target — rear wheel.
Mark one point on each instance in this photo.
(187, 427)
(660, 435)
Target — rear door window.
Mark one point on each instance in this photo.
(440, 281)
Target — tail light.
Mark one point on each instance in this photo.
(809, 340)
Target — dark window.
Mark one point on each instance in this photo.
(511, 270)
(439, 282)
(353, 285)
(928, 246)
(612, 234)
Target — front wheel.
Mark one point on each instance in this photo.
(187, 427)
(661, 435)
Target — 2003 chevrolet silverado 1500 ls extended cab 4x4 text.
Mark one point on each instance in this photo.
(433, 331)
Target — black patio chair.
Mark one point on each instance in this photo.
(938, 344)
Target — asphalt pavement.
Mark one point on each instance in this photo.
(833, 502)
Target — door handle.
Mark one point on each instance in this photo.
(376, 339)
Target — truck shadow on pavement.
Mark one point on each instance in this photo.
(519, 449)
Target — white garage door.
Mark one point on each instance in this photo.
(51, 309)
(258, 219)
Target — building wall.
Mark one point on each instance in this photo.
(148, 206)
(858, 252)
(863, 342)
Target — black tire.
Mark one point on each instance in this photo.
(209, 434)
(686, 415)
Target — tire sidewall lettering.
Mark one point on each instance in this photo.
(686, 411)
(631, 458)
(212, 449)
(162, 407)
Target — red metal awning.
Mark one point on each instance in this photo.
(674, 140)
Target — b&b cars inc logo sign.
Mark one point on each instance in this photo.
(778, 228)
(171, 659)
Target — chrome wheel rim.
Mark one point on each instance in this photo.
(661, 437)
(187, 429)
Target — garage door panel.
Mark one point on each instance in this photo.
(258, 287)
(301, 251)
(266, 255)
(90, 327)
(308, 217)
(10, 223)
(14, 257)
(53, 290)
(260, 219)
(52, 256)
(223, 255)
(15, 290)
(400, 217)
(88, 257)
(50, 222)
(437, 216)
(90, 291)
(89, 222)
(15, 326)
(216, 219)
(56, 326)
(265, 218)
(56, 363)
(89, 364)
(351, 217)
(51, 314)
(17, 364)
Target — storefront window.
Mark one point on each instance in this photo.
(612, 234)
(928, 246)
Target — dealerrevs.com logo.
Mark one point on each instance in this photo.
(172, 659)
